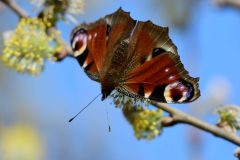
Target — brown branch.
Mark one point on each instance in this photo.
(66, 51)
(14, 7)
(181, 117)
(233, 3)
(177, 115)
(23, 14)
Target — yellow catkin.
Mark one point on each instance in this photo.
(146, 123)
(27, 48)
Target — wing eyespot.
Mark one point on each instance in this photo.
(157, 51)
(79, 42)
(108, 30)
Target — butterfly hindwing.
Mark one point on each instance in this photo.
(162, 79)
(157, 72)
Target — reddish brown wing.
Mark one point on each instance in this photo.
(119, 28)
(95, 43)
(157, 72)
(147, 41)
(89, 45)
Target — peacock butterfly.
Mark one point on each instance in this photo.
(136, 58)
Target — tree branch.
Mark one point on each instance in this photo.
(67, 50)
(233, 3)
(14, 7)
(181, 117)
(23, 14)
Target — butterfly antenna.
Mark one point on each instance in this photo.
(109, 127)
(70, 120)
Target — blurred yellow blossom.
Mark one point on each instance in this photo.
(21, 142)
(146, 123)
(28, 46)
(55, 10)
(62, 6)
(76, 6)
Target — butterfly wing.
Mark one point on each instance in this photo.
(156, 70)
(140, 57)
(120, 26)
(95, 44)
(89, 45)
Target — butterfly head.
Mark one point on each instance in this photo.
(106, 91)
(79, 41)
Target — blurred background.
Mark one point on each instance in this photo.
(34, 111)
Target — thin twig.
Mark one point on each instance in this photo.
(23, 14)
(233, 3)
(16, 8)
(181, 117)
(67, 50)
(177, 115)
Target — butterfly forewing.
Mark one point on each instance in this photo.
(91, 56)
(147, 41)
(105, 47)
(97, 42)
(120, 26)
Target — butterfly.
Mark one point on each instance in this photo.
(133, 57)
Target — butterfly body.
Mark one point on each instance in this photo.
(135, 58)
